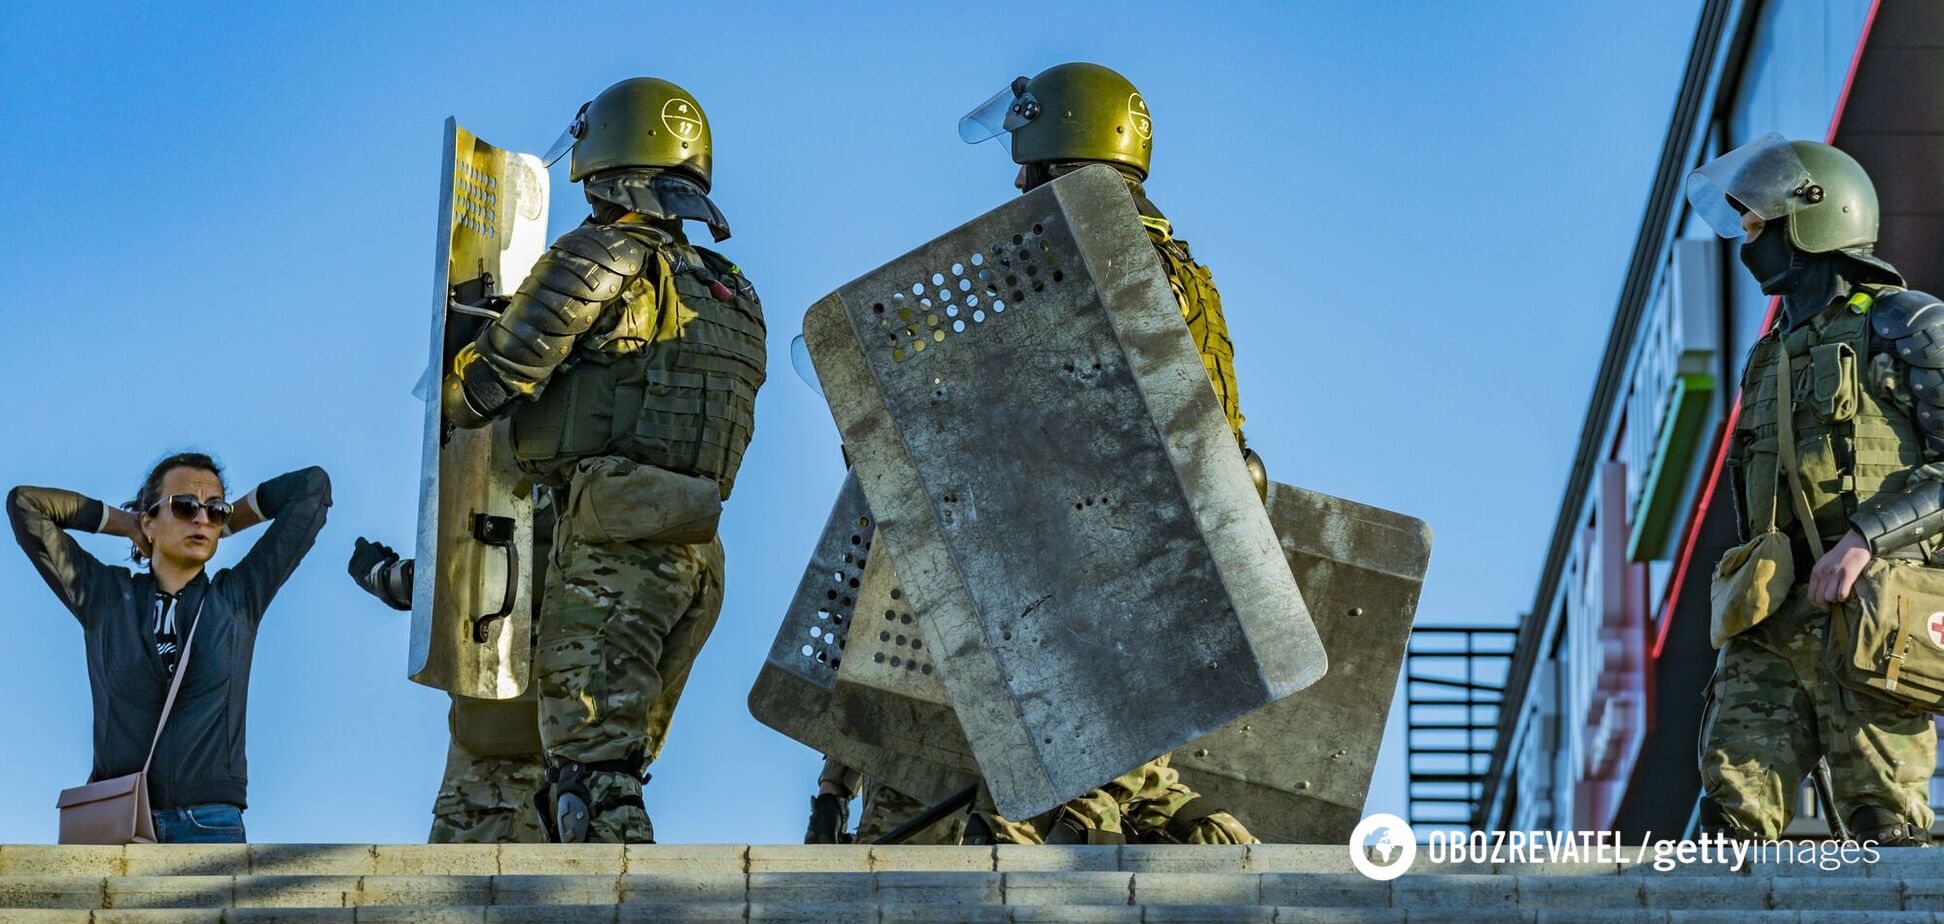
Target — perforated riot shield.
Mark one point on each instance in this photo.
(471, 612)
(1074, 524)
(1298, 771)
(905, 741)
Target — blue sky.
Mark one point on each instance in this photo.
(218, 223)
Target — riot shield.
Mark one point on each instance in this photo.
(1075, 528)
(795, 693)
(471, 606)
(1298, 771)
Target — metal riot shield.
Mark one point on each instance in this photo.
(1075, 527)
(471, 607)
(1297, 772)
(795, 690)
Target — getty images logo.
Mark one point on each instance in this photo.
(1383, 847)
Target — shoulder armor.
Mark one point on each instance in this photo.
(1897, 314)
(1914, 322)
(609, 247)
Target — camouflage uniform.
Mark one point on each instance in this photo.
(1776, 706)
(884, 808)
(622, 625)
(487, 800)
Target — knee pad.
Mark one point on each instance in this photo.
(566, 804)
(1067, 829)
(1871, 823)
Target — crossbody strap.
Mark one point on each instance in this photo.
(1785, 437)
(182, 669)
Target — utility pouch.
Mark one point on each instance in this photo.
(612, 499)
(1749, 585)
(1889, 639)
(1833, 381)
(1752, 579)
(497, 727)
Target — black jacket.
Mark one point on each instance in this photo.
(200, 758)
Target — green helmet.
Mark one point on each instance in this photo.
(639, 122)
(1070, 112)
(1826, 195)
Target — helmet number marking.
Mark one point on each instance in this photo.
(682, 118)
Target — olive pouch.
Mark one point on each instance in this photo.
(1833, 381)
(1889, 639)
(1749, 585)
(612, 499)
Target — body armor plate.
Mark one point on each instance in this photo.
(1076, 530)
(471, 606)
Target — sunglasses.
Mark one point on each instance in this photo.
(184, 506)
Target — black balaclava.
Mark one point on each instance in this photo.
(1807, 282)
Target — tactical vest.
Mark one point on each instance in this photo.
(1853, 440)
(666, 376)
(1201, 306)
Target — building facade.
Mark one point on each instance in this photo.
(1601, 708)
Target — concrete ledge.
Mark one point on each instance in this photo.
(435, 860)
(563, 859)
(310, 859)
(542, 889)
(1185, 858)
(818, 887)
(1324, 890)
(804, 858)
(170, 892)
(296, 891)
(933, 888)
(926, 859)
(1009, 858)
(1200, 889)
(674, 888)
(1069, 888)
(688, 858)
(427, 891)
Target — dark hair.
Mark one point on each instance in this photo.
(152, 485)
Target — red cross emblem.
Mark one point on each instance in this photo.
(1937, 629)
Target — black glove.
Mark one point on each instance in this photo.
(377, 569)
(828, 818)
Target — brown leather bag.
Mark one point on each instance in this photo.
(116, 811)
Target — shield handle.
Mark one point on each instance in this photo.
(497, 532)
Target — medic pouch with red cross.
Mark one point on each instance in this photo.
(1889, 638)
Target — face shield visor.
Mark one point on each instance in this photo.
(1764, 176)
(800, 358)
(1006, 111)
(568, 138)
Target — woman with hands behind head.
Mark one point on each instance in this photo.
(139, 625)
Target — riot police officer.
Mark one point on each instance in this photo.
(1839, 410)
(1067, 117)
(629, 361)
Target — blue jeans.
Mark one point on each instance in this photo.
(209, 823)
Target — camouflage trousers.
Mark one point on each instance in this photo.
(620, 627)
(487, 800)
(1775, 706)
(884, 808)
(1139, 806)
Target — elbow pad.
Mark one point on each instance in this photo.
(560, 299)
(1892, 522)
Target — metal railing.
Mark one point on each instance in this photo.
(1454, 685)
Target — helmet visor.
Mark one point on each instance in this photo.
(1007, 110)
(567, 139)
(1764, 177)
(800, 358)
